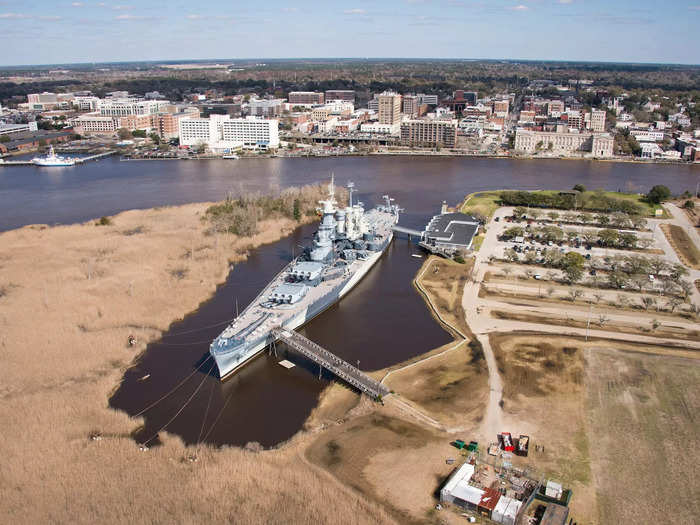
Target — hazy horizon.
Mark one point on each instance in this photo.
(44, 32)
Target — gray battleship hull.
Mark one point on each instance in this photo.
(229, 362)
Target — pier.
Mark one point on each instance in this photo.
(80, 160)
(344, 370)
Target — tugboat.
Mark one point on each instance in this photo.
(52, 160)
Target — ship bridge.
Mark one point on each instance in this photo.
(344, 370)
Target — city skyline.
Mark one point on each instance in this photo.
(88, 31)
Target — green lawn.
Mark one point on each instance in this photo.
(484, 202)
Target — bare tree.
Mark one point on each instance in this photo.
(551, 276)
(673, 303)
(602, 319)
(574, 294)
(639, 281)
(622, 300)
(507, 271)
(686, 289)
(598, 296)
(550, 291)
(647, 301)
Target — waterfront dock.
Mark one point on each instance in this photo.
(344, 370)
(80, 160)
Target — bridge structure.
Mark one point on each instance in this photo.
(342, 369)
(408, 231)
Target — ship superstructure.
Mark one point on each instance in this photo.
(51, 160)
(349, 241)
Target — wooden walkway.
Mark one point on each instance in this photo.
(351, 375)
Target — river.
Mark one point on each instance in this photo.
(381, 322)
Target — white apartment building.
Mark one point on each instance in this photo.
(220, 132)
(88, 103)
(647, 135)
(376, 127)
(123, 108)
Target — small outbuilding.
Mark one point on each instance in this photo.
(457, 490)
(555, 515)
(506, 511)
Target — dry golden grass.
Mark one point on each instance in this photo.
(368, 454)
(71, 296)
(643, 431)
(684, 246)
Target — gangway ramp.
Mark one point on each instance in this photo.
(407, 231)
(331, 362)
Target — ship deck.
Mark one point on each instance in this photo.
(380, 222)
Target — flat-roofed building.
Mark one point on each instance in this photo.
(221, 133)
(389, 108)
(265, 107)
(410, 105)
(95, 123)
(126, 107)
(429, 133)
(9, 129)
(597, 121)
(599, 144)
(341, 94)
(253, 132)
(306, 97)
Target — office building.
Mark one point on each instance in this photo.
(304, 98)
(125, 107)
(599, 144)
(271, 107)
(389, 108)
(410, 105)
(341, 94)
(429, 133)
(597, 121)
(95, 124)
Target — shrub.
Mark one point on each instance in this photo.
(104, 221)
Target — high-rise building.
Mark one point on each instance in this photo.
(389, 108)
(597, 121)
(411, 103)
(122, 108)
(221, 132)
(429, 133)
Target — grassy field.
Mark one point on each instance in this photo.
(683, 245)
(388, 460)
(484, 203)
(643, 423)
(72, 296)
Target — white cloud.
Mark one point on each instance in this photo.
(131, 17)
(50, 17)
(566, 1)
(520, 7)
(77, 4)
(355, 11)
(694, 7)
(13, 16)
(122, 7)
(194, 17)
(290, 9)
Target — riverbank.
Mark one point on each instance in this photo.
(69, 298)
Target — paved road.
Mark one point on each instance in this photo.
(478, 317)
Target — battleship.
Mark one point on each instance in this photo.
(349, 241)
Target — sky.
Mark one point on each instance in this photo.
(57, 31)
